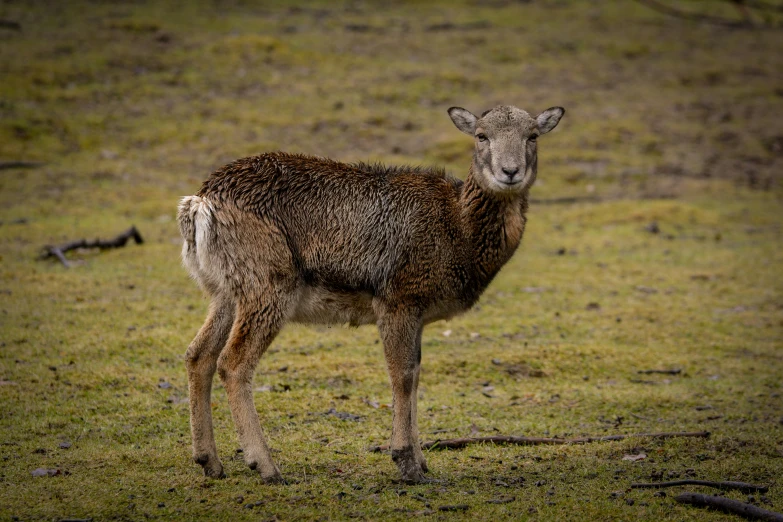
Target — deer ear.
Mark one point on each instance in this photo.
(549, 119)
(463, 119)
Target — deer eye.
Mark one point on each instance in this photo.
(533, 138)
(481, 137)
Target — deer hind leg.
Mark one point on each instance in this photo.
(415, 410)
(401, 334)
(258, 319)
(201, 361)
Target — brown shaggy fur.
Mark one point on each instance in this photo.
(286, 237)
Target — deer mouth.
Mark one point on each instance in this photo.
(511, 184)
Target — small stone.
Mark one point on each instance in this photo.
(630, 501)
(45, 472)
(635, 458)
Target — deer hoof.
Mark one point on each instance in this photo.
(212, 466)
(274, 479)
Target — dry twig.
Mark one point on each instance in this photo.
(731, 506)
(764, 6)
(565, 200)
(10, 24)
(675, 371)
(697, 17)
(529, 441)
(19, 164)
(725, 485)
(59, 251)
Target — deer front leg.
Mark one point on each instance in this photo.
(201, 361)
(401, 334)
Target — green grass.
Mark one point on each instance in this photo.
(130, 106)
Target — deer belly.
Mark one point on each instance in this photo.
(318, 305)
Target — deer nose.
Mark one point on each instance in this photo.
(510, 171)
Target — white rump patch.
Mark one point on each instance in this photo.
(196, 222)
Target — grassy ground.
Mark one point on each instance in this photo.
(130, 106)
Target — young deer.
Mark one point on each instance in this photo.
(282, 237)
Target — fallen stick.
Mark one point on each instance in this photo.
(740, 486)
(676, 371)
(731, 506)
(59, 251)
(698, 17)
(10, 24)
(19, 164)
(530, 441)
(565, 201)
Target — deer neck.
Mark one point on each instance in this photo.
(493, 224)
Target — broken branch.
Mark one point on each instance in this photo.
(10, 24)
(697, 17)
(530, 441)
(19, 164)
(675, 371)
(731, 506)
(764, 6)
(59, 251)
(566, 200)
(725, 485)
